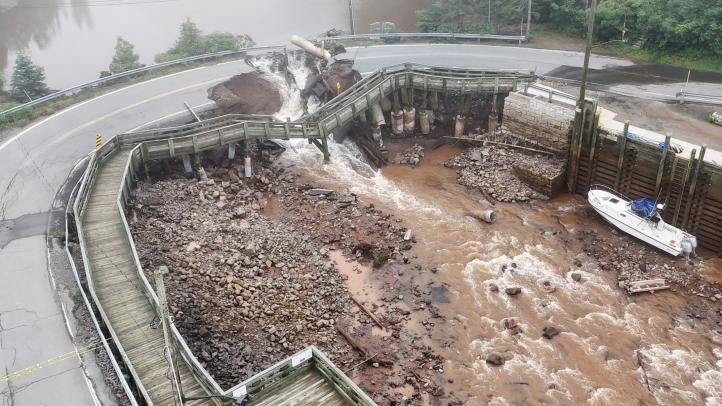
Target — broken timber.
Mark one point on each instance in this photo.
(650, 285)
(501, 144)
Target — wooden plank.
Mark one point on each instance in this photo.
(651, 285)
(692, 186)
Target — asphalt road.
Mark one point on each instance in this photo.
(35, 163)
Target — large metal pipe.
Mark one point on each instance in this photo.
(377, 115)
(397, 122)
(488, 216)
(309, 47)
(424, 122)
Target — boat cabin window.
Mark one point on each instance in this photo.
(613, 200)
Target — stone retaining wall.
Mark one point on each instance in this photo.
(538, 121)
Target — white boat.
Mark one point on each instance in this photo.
(650, 228)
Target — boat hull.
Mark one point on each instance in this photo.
(614, 209)
(636, 234)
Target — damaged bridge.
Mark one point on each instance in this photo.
(351, 103)
(128, 303)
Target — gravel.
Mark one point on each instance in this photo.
(251, 281)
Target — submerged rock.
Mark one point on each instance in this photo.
(512, 291)
(495, 359)
(550, 332)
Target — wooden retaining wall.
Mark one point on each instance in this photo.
(690, 188)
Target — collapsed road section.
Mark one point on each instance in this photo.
(403, 288)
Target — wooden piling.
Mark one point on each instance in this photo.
(672, 173)
(662, 161)
(678, 205)
(692, 186)
(620, 159)
(593, 151)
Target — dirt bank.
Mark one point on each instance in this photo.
(259, 270)
(247, 93)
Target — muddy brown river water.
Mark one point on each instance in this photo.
(604, 333)
(612, 350)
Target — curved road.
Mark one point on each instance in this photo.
(35, 163)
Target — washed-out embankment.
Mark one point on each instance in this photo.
(526, 309)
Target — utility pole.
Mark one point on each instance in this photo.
(528, 21)
(489, 15)
(587, 53)
(350, 13)
(575, 144)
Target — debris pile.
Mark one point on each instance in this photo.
(635, 261)
(491, 169)
(411, 156)
(251, 281)
(247, 93)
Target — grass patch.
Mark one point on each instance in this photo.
(688, 59)
(545, 36)
(381, 257)
(26, 116)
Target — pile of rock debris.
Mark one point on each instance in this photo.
(251, 282)
(491, 169)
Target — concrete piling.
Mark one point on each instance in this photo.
(187, 167)
(231, 151)
(377, 115)
(459, 125)
(397, 122)
(247, 169)
(409, 119)
(424, 122)
(200, 172)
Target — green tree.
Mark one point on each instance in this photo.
(466, 16)
(124, 58)
(28, 79)
(224, 41)
(192, 42)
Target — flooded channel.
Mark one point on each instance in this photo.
(611, 349)
(605, 335)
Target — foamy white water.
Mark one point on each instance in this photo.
(594, 357)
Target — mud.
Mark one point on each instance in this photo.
(494, 171)
(261, 268)
(247, 93)
(608, 342)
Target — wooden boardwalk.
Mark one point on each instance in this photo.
(119, 289)
(305, 386)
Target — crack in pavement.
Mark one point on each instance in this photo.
(8, 396)
(3, 207)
